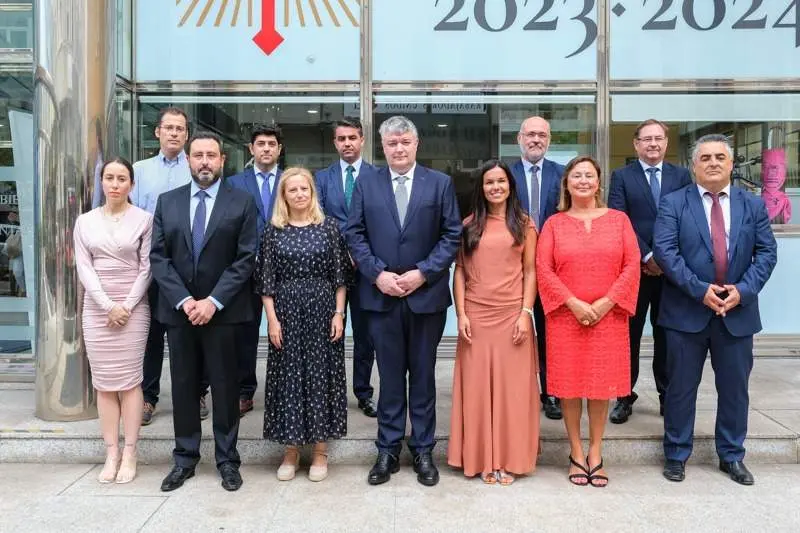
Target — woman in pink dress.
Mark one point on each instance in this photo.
(112, 253)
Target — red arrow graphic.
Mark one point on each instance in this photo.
(268, 38)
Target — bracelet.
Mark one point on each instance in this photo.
(337, 312)
(528, 310)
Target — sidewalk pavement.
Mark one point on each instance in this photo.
(59, 497)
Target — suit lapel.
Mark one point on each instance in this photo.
(184, 215)
(336, 175)
(385, 178)
(737, 212)
(220, 205)
(275, 182)
(417, 191)
(251, 182)
(699, 214)
(518, 171)
(550, 182)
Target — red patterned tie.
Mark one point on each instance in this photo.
(718, 239)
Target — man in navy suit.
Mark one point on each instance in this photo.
(335, 186)
(636, 190)
(260, 181)
(538, 181)
(716, 248)
(403, 231)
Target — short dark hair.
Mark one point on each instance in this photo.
(349, 122)
(205, 135)
(650, 122)
(172, 110)
(269, 131)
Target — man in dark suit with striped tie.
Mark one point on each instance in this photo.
(538, 180)
(335, 186)
(261, 181)
(636, 190)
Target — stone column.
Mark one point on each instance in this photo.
(73, 107)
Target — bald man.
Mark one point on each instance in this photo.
(538, 180)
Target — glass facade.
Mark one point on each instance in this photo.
(467, 72)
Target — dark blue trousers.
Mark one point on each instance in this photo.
(732, 361)
(363, 351)
(247, 342)
(405, 348)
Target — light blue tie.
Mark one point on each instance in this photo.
(655, 186)
(266, 194)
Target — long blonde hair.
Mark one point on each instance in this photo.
(564, 198)
(280, 213)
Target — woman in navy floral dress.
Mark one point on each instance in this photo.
(302, 269)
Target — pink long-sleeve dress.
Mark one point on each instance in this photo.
(113, 263)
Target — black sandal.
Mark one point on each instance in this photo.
(593, 476)
(573, 478)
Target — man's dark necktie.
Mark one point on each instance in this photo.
(655, 186)
(718, 240)
(199, 225)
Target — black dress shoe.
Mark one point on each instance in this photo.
(623, 409)
(427, 473)
(674, 470)
(386, 465)
(738, 472)
(231, 478)
(368, 407)
(552, 408)
(176, 477)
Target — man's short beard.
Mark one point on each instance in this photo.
(202, 182)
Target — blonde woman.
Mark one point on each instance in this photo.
(301, 276)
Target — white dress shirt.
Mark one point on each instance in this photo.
(409, 175)
(356, 170)
(725, 203)
(528, 166)
(659, 166)
(194, 201)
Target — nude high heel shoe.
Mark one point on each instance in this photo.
(109, 472)
(127, 468)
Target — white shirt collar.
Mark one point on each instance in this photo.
(726, 191)
(211, 191)
(527, 165)
(356, 165)
(409, 174)
(645, 166)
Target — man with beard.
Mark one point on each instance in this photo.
(202, 257)
(260, 181)
(538, 180)
(636, 190)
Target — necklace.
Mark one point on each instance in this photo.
(114, 218)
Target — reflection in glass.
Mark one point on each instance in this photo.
(16, 24)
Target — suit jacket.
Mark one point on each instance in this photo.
(629, 192)
(226, 261)
(548, 192)
(428, 240)
(682, 247)
(248, 182)
(330, 190)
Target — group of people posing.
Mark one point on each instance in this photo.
(551, 286)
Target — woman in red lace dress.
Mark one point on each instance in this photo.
(587, 265)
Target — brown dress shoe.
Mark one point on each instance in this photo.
(245, 406)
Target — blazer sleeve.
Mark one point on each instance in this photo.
(144, 277)
(322, 191)
(238, 273)
(552, 291)
(666, 250)
(438, 262)
(616, 192)
(625, 290)
(169, 281)
(765, 256)
(358, 238)
(86, 273)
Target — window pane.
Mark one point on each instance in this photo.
(16, 24)
(16, 213)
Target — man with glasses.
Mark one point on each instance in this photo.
(636, 189)
(261, 181)
(166, 171)
(538, 180)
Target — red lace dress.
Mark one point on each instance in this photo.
(571, 260)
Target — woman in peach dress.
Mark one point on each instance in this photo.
(112, 253)
(494, 427)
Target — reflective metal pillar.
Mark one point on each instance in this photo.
(73, 103)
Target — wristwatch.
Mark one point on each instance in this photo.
(528, 310)
(337, 312)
